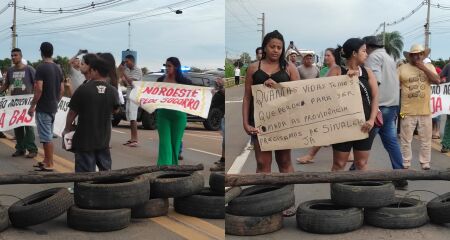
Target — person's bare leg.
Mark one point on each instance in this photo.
(48, 155)
(283, 158)
(134, 133)
(309, 158)
(263, 159)
(361, 159)
(339, 160)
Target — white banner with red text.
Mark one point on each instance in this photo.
(14, 113)
(193, 100)
(440, 99)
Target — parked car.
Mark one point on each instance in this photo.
(216, 111)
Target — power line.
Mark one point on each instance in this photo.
(403, 18)
(111, 21)
(5, 8)
(68, 10)
(248, 12)
(236, 17)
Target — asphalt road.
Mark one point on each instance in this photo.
(200, 146)
(244, 161)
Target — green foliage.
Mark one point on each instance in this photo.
(5, 64)
(229, 68)
(393, 43)
(439, 63)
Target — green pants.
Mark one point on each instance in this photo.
(446, 138)
(171, 125)
(25, 139)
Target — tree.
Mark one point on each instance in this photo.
(393, 43)
(245, 58)
(144, 70)
(5, 64)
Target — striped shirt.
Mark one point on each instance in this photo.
(135, 74)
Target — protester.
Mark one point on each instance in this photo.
(93, 103)
(445, 74)
(220, 165)
(20, 79)
(3, 77)
(385, 71)
(130, 73)
(333, 70)
(48, 90)
(171, 123)
(354, 51)
(307, 70)
(270, 70)
(237, 74)
(291, 56)
(85, 66)
(415, 79)
(259, 53)
(75, 74)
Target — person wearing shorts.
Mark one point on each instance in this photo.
(48, 90)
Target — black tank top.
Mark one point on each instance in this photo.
(366, 91)
(259, 77)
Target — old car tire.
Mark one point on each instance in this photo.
(123, 193)
(215, 116)
(412, 213)
(262, 200)
(252, 226)
(148, 120)
(40, 207)
(439, 209)
(363, 194)
(205, 204)
(217, 182)
(4, 219)
(325, 217)
(98, 220)
(152, 208)
(175, 184)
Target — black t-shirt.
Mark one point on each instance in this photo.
(94, 102)
(51, 76)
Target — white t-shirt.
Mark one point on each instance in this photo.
(77, 78)
(237, 72)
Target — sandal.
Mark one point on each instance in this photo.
(289, 212)
(39, 165)
(44, 169)
(128, 142)
(436, 137)
(133, 144)
(305, 159)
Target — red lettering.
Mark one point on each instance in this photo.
(175, 94)
(170, 92)
(194, 93)
(163, 91)
(14, 117)
(21, 118)
(437, 104)
(155, 90)
(2, 120)
(182, 92)
(147, 90)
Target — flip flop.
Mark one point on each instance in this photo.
(133, 144)
(304, 161)
(44, 169)
(128, 142)
(39, 165)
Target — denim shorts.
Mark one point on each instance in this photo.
(44, 124)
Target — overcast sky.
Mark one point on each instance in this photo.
(320, 24)
(197, 36)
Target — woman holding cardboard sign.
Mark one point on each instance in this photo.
(354, 50)
(171, 123)
(270, 70)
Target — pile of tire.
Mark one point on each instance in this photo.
(190, 196)
(355, 203)
(258, 210)
(37, 208)
(103, 206)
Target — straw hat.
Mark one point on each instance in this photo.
(291, 51)
(417, 48)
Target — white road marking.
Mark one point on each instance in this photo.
(214, 154)
(240, 160)
(117, 131)
(234, 101)
(205, 136)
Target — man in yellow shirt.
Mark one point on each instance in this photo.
(415, 79)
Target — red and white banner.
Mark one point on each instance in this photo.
(14, 113)
(194, 100)
(440, 99)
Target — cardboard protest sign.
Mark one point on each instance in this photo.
(307, 113)
(440, 99)
(189, 99)
(14, 113)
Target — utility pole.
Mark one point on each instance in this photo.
(427, 26)
(129, 35)
(13, 28)
(263, 27)
(384, 33)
